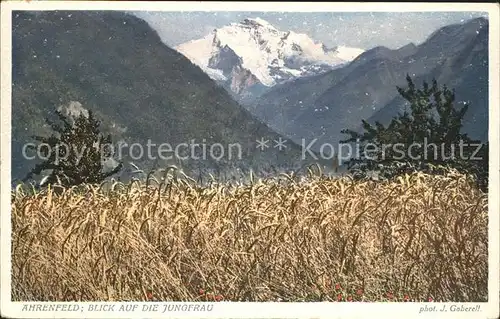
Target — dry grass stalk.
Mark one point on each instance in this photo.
(275, 239)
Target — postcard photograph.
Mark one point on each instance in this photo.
(210, 160)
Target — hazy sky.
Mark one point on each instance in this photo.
(359, 29)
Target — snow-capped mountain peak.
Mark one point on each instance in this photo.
(263, 53)
(258, 22)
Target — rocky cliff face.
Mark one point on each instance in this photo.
(242, 79)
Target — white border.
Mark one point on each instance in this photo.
(258, 310)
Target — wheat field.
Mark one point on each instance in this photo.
(415, 238)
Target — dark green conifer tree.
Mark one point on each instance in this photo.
(434, 122)
(74, 153)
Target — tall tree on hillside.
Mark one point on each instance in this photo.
(74, 153)
(427, 138)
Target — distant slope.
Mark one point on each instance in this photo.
(321, 106)
(467, 73)
(114, 64)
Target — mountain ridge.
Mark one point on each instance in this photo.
(320, 106)
(108, 62)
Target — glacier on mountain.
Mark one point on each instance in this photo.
(263, 53)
